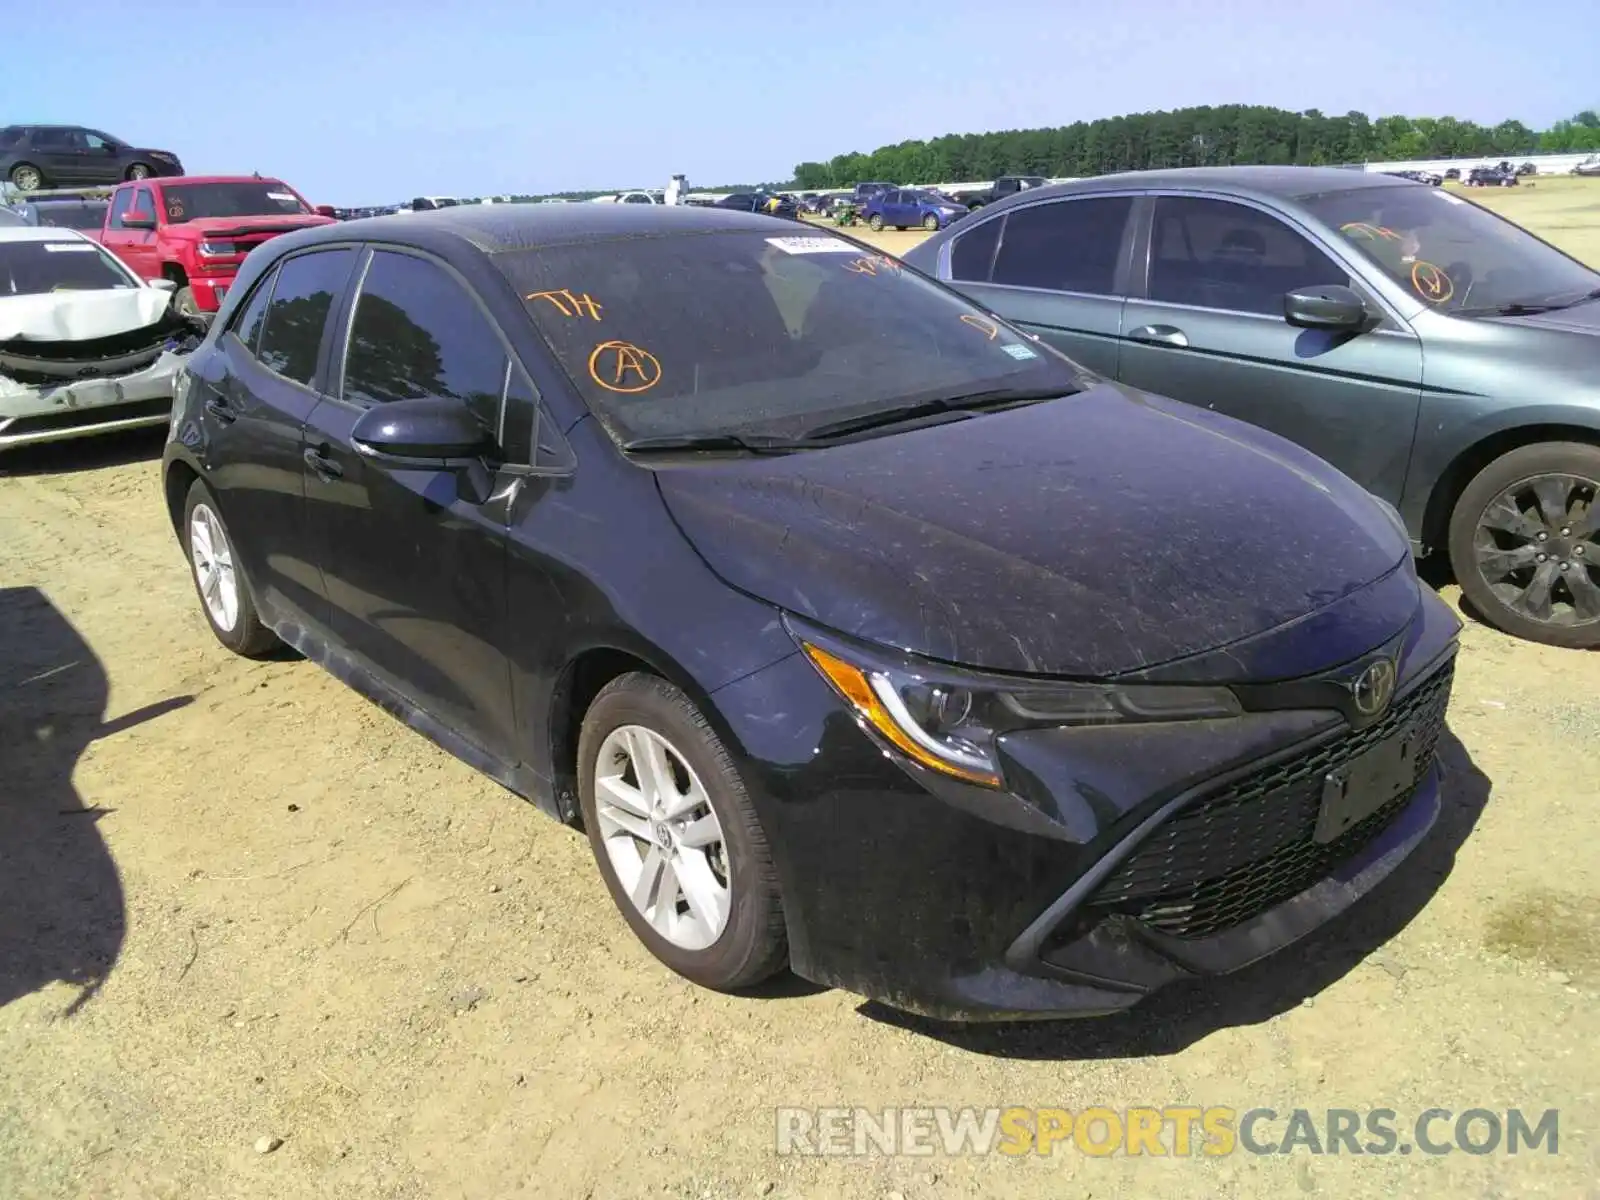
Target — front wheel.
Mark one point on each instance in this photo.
(930, 223)
(139, 171)
(1525, 543)
(875, 222)
(676, 838)
(184, 303)
(224, 592)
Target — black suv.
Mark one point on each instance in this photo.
(37, 156)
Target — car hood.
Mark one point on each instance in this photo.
(279, 222)
(1096, 535)
(80, 315)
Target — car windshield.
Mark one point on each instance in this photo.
(33, 268)
(755, 333)
(243, 198)
(71, 216)
(1449, 252)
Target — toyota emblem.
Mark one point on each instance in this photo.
(1374, 688)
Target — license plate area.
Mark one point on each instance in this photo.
(1365, 784)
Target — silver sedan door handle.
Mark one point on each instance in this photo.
(1162, 335)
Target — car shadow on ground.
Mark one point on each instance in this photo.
(62, 915)
(1177, 1017)
(86, 453)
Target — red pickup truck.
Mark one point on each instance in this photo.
(196, 229)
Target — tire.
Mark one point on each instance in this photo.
(1510, 601)
(246, 635)
(27, 177)
(930, 223)
(139, 171)
(183, 302)
(752, 945)
(875, 223)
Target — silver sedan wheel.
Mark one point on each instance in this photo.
(212, 559)
(662, 837)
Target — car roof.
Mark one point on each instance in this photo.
(168, 180)
(1282, 183)
(40, 233)
(497, 228)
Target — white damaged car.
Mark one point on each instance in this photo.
(86, 346)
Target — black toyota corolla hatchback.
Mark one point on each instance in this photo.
(863, 633)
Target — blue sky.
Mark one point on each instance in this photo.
(355, 102)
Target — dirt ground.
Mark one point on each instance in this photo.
(262, 908)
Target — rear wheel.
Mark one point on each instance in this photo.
(1525, 543)
(676, 838)
(28, 178)
(224, 592)
(875, 222)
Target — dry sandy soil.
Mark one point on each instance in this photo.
(256, 906)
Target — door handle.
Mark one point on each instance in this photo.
(326, 469)
(1161, 335)
(219, 409)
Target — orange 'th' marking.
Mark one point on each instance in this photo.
(624, 361)
(569, 305)
(1431, 283)
(982, 324)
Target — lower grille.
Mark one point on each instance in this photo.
(1232, 855)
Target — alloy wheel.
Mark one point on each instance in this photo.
(1536, 547)
(662, 837)
(212, 559)
(27, 179)
(138, 171)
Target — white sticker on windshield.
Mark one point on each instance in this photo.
(1019, 351)
(281, 196)
(812, 245)
(59, 247)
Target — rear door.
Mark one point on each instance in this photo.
(259, 390)
(414, 562)
(59, 154)
(1058, 268)
(1209, 329)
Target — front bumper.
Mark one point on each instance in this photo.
(30, 414)
(1120, 859)
(210, 290)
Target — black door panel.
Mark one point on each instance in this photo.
(413, 562)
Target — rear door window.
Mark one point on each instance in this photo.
(1064, 246)
(1217, 254)
(307, 287)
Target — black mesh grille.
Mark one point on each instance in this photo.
(1233, 855)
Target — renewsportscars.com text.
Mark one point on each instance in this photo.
(1177, 1131)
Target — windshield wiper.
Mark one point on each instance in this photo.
(749, 443)
(1527, 308)
(964, 402)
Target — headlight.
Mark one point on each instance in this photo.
(948, 720)
(214, 248)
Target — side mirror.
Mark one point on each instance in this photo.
(163, 285)
(1332, 307)
(139, 220)
(429, 434)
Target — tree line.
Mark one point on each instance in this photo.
(1229, 134)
